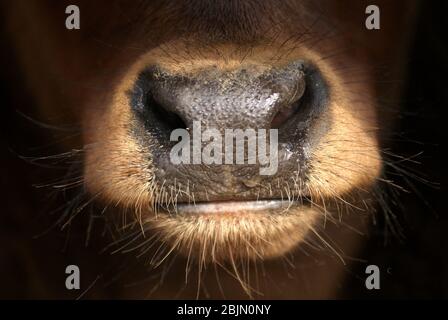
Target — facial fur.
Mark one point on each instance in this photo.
(336, 158)
(344, 163)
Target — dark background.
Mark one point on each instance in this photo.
(416, 264)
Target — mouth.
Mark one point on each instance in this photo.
(218, 209)
(225, 230)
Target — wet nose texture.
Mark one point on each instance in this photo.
(244, 98)
(287, 98)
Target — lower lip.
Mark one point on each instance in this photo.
(233, 207)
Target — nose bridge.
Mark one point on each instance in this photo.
(243, 98)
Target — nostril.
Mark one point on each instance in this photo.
(291, 107)
(166, 119)
(153, 109)
(310, 98)
(283, 115)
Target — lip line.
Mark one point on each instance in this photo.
(234, 206)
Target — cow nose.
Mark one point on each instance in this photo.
(280, 103)
(250, 97)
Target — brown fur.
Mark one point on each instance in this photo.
(347, 160)
(119, 173)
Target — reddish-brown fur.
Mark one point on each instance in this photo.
(82, 77)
